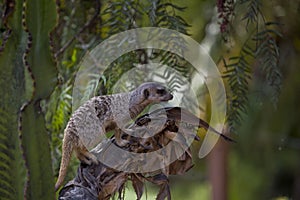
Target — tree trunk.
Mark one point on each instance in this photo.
(217, 170)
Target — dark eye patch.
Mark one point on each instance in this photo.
(161, 91)
(146, 94)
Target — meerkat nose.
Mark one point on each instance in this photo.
(169, 97)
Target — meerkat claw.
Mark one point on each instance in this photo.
(88, 158)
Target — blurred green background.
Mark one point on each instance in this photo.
(255, 44)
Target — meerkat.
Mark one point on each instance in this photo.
(89, 123)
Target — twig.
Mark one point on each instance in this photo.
(86, 25)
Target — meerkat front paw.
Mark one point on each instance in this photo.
(87, 158)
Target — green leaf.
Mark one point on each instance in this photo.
(12, 81)
(40, 21)
(35, 143)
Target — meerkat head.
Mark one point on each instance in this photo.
(152, 92)
(146, 94)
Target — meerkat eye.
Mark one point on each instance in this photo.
(146, 94)
(161, 91)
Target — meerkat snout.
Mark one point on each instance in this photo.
(165, 95)
(157, 93)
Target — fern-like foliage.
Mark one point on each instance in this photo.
(258, 60)
(166, 15)
(238, 74)
(267, 54)
(124, 15)
(119, 16)
(253, 11)
(60, 103)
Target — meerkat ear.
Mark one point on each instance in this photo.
(146, 93)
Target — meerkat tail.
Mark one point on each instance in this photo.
(67, 147)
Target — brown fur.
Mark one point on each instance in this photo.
(93, 119)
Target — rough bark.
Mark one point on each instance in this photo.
(102, 182)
